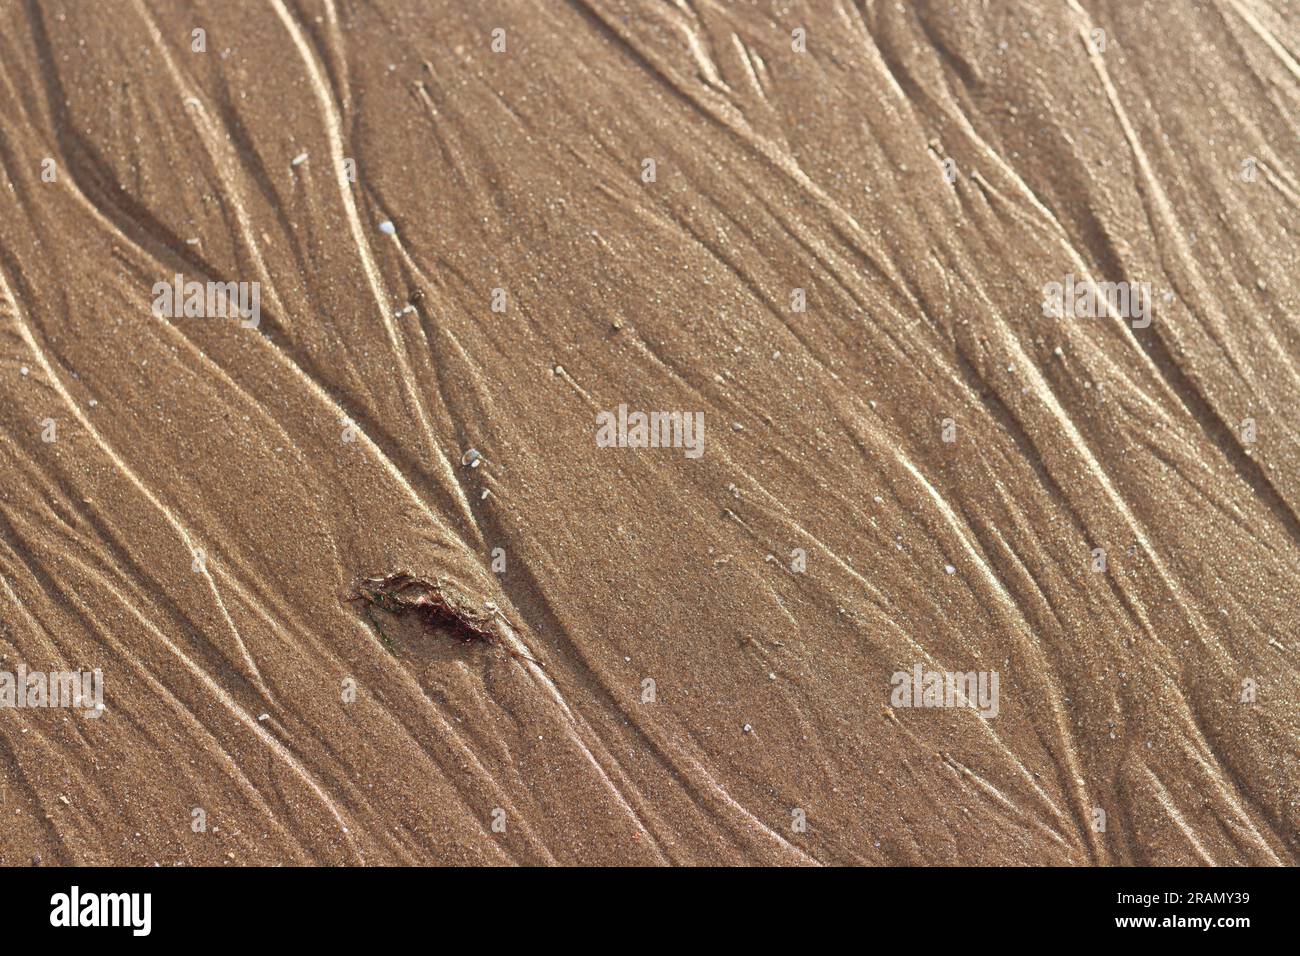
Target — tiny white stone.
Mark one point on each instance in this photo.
(387, 228)
(23, 370)
(950, 569)
(298, 160)
(263, 716)
(748, 728)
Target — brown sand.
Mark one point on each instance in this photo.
(325, 445)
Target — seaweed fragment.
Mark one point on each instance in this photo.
(403, 594)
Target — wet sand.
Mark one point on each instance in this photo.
(639, 655)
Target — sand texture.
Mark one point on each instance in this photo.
(364, 584)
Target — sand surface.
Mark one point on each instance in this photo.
(838, 258)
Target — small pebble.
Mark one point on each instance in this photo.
(950, 569)
(387, 228)
(298, 160)
(748, 728)
(471, 458)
